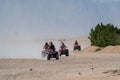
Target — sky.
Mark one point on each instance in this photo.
(55, 18)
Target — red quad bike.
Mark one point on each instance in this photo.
(64, 52)
(50, 54)
(53, 54)
(77, 47)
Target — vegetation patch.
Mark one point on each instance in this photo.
(104, 35)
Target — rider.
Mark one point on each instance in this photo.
(46, 46)
(51, 47)
(76, 43)
(62, 47)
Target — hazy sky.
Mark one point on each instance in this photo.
(43, 18)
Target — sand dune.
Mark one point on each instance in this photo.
(111, 49)
(92, 49)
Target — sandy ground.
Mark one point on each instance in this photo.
(91, 66)
(80, 65)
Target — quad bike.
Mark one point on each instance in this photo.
(77, 47)
(64, 52)
(51, 54)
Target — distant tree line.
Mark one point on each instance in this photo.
(104, 35)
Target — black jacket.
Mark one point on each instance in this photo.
(52, 47)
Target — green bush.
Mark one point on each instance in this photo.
(105, 35)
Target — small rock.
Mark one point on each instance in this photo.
(92, 68)
(105, 72)
(30, 69)
(79, 73)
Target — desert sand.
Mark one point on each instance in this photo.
(80, 65)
